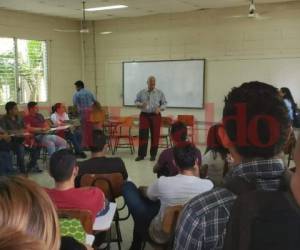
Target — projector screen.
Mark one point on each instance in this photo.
(182, 81)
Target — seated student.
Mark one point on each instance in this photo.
(13, 122)
(99, 163)
(11, 239)
(254, 147)
(28, 219)
(36, 124)
(147, 208)
(165, 165)
(63, 168)
(27, 214)
(215, 157)
(59, 117)
(6, 165)
(289, 102)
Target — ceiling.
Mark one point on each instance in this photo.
(72, 8)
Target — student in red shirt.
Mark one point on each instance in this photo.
(64, 169)
(36, 124)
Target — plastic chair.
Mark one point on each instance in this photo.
(123, 132)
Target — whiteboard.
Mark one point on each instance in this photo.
(182, 81)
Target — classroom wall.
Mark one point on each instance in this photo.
(64, 50)
(236, 50)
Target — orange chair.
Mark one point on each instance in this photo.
(189, 121)
(123, 132)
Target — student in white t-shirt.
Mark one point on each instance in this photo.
(215, 156)
(147, 205)
(59, 117)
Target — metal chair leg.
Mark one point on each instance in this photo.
(117, 139)
(131, 144)
(167, 141)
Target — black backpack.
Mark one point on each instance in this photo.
(262, 220)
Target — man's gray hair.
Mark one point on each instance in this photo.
(150, 78)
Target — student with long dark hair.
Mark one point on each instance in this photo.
(289, 102)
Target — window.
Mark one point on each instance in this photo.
(23, 70)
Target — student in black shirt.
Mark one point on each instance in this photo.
(12, 122)
(99, 163)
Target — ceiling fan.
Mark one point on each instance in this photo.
(83, 25)
(252, 13)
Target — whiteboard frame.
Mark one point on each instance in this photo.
(179, 60)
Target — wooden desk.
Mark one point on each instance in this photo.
(59, 128)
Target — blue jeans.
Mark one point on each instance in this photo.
(6, 165)
(52, 143)
(19, 150)
(142, 211)
(34, 156)
(75, 139)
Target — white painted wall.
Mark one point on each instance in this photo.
(64, 51)
(236, 50)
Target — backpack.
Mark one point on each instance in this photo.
(73, 228)
(262, 220)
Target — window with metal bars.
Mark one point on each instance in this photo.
(23, 70)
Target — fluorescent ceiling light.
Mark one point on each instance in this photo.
(111, 7)
(105, 32)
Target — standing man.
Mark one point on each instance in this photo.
(151, 101)
(83, 100)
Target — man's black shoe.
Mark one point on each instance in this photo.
(139, 158)
(152, 158)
